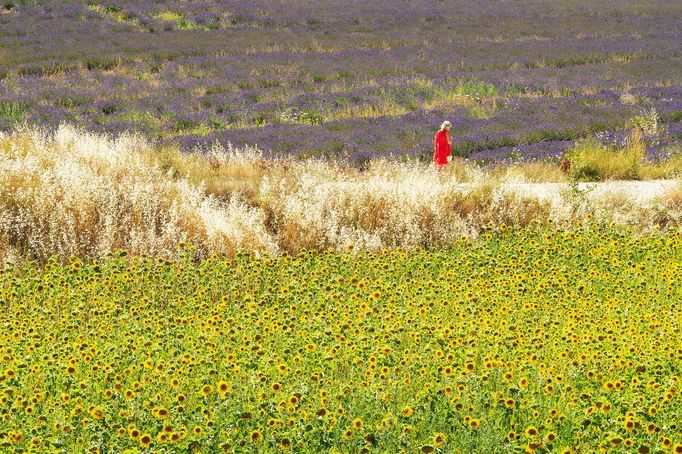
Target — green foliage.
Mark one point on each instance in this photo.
(672, 117)
(47, 69)
(181, 125)
(270, 83)
(335, 147)
(593, 161)
(474, 89)
(103, 63)
(112, 106)
(648, 122)
(464, 148)
(255, 98)
(260, 119)
(577, 197)
(13, 111)
(69, 102)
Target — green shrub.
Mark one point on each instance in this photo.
(648, 122)
(13, 111)
(593, 161)
(103, 63)
(47, 69)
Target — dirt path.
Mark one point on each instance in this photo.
(640, 192)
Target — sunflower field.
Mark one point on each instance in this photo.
(537, 340)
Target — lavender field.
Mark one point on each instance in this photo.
(520, 80)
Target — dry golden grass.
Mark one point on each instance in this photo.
(668, 208)
(531, 172)
(71, 193)
(592, 161)
(219, 172)
(75, 193)
(667, 169)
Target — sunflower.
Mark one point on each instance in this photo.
(357, 424)
(223, 388)
(96, 414)
(439, 439)
(256, 436)
(145, 440)
(531, 431)
(161, 413)
(408, 411)
(205, 390)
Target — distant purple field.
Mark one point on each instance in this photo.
(347, 79)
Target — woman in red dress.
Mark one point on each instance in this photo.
(441, 145)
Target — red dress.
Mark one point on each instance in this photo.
(441, 148)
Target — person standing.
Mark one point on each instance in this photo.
(442, 145)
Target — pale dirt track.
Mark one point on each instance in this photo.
(642, 193)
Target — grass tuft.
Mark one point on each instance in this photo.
(594, 161)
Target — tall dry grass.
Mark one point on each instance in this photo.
(73, 193)
(389, 204)
(593, 161)
(219, 171)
